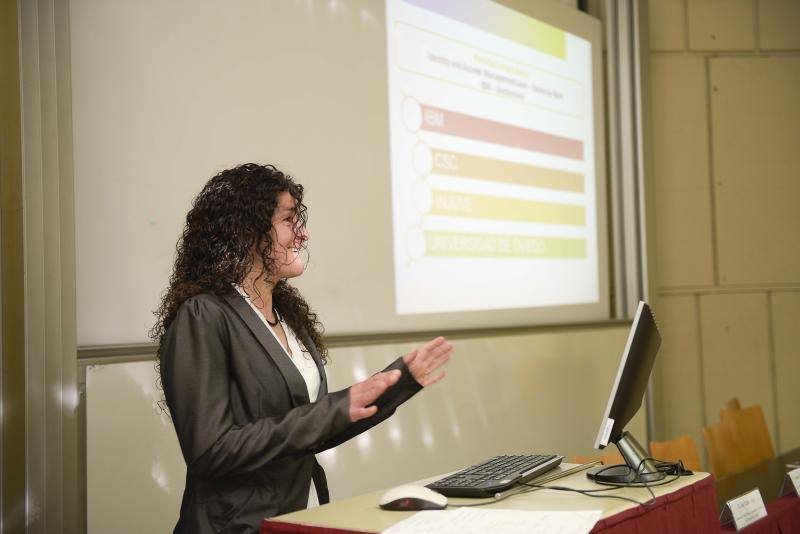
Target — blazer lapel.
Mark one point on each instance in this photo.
(294, 380)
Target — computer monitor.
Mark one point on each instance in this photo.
(625, 400)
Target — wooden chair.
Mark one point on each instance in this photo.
(612, 457)
(682, 448)
(739, 441)
(733, 404)
(749, 430)
(723, 453)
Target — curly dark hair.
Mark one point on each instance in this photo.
(232, 214)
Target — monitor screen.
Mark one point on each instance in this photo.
(632, 377)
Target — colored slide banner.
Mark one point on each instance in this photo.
(466, 126)
(464, 245)
(500, 20)
(455, 204)
(451, 163)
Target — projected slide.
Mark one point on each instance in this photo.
(492, 159)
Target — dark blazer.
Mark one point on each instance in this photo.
(241, 410)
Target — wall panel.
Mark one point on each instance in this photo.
(721, 24)
(756, 125)
(667, 24)
(681, 171)
(679, 368)
(740, 129)
(736, 353)
(786, 340)
(778, 23)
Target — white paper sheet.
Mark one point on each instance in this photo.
(471, 521)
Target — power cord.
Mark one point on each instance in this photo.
(494, 499)
(675, 469)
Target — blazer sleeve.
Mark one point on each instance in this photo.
(196, 381)
(405, 388)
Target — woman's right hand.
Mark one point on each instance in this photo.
(363, 394)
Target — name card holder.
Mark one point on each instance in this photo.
(791, 483)
(744, 510)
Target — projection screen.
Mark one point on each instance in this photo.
(452, 153)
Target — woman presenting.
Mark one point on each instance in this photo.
(242, 358)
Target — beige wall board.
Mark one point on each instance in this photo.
(721, 24)
(680, 129)
(779, 24)
(756, 128)
(517, 393)
(683, 239)
(678, 373)
(736, 353)
(681, 170)
(786, 342)
(667, 24)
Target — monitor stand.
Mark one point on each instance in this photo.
(638, 469)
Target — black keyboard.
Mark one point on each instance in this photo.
(495, 475)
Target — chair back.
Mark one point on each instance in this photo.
(681, 448)
(723, 453)
(749, 430)
(612, 457)
(739, 441)
(733, 404)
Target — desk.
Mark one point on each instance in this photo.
(767, 476)
(686, 505)
(783, 515)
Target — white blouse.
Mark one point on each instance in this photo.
(302, 360)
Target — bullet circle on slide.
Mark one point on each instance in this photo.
(423, 159)
(415, 243)
(423, 196)
(412, 114)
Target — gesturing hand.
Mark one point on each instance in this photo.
(422, 363)
(427, 359)
(363, 394)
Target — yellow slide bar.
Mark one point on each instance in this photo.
(470, 245)
(456, 204)
(451, 163)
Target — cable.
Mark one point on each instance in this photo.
(673, 468)
(492, 500)
(661, 467)
(643, 483)
(635, 484)
(589, 493)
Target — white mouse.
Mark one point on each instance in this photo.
(408, 498)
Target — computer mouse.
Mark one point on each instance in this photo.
(410, 498)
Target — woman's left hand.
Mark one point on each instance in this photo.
(425, 362)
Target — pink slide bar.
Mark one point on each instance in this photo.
(470, 127)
